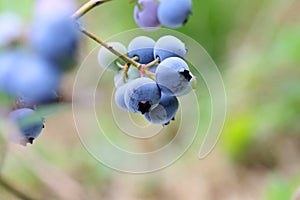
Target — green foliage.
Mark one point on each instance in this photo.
(279, 188)
(23, 8)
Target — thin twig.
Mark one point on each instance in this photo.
(87, 7)
(152, 63)
(110, 48)
(13, 190)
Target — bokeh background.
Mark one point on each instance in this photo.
(256, 46)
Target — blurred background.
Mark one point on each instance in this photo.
(256, 46)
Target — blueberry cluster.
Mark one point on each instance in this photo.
(32, 64)
(152, 87)
(169, 13)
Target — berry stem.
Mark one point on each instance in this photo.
(125, 75)
(150, 64)
(110, 48)
(87, 7)
(120, 65)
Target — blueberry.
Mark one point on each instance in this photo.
(107, 60)
(142, 47)
(32, 77)
(54, 8)
(7, 65)
(145, 14)
(54, 35)
(10, 28)
(119, 96)
(30, 125)
(152, 68)
(24, 102)
(132, 74)
(141, 94)
(118, 79)
(164, 111)
(174, 13)
(173, 76)
(169, 46)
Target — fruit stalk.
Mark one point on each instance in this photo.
(111, 49)
(87, 7)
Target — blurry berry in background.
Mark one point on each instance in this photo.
(174, 13)
(142, 47)
(164, 112)
(173, 76)
(107, 60)
(8, 61)
(54, 35)
(169, 46)
(141, 94)
(59, 8)
(145, 14)
(24, 102)
(29, 125)
(10, 28)
(56, 40)
(32, 77)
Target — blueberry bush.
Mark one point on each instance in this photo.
(254, 43)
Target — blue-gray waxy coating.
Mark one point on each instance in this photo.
(141, 94)
(164, 111)
(145, 14)
(169, 46)
(142, 47)
(132, 74)
(30, 128)
(7, 63)
(119, 96)
(56, 39)
(33, 78)
(173, 76)
(106, 59)
(174, 13)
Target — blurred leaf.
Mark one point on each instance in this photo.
(279, 188)
(238, 134)
(132, 1)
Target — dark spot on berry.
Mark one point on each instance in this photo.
(186, 74)
(30, 140)
(144, 106)
(173, 119)
(167, 123)
(185, 21)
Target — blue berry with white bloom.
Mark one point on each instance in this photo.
(142, 47)
(107, 60)
(141, 94)
(169, 46)
(29, 124)
(164, 112)
(33, 78)
(174, 13)
(173, 76)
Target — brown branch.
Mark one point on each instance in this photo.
(87, 7)
(110, 48)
